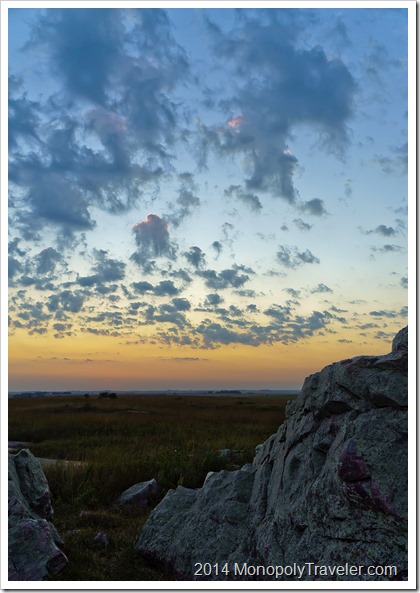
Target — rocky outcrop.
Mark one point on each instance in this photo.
(34, 544)
(329, 488)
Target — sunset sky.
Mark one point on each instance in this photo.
(204, 198)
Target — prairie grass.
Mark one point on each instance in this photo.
(119, 442)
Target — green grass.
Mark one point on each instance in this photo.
(124, 441)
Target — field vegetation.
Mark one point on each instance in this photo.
(120, 441)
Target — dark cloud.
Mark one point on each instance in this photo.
(213, 299)
(279, 313)
(217, 246)
(24, 117)
(323, 288)
(296, 85)
(228, 278)
(142, 287)
(292, 258)
(293, 292)
(250, 200)
(105, 270)
(116, 69)
(166, 288)
(195, 256)
(385, 231)
(404, 282)
(181, 304)
(315, 207)
(47, 260)
(152, 239)
(14, 267)
(166, 313)
(250, 294)
(66, 300)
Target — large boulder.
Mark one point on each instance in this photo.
(34, 544)
(329, 488)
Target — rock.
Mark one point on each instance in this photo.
(229, 453)
(330, 487)
(101, 540)
(139, 495)
(34, 544)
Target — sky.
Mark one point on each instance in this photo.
(204, 198)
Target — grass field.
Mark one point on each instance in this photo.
(122, 441)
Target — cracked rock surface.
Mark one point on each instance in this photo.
(330, 487)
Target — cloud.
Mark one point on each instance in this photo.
(387, 248)
(47, 260)
(14, 267)
(315, 207)
(195, 256)
(187, 200)
(250, 200)
(142, 287)
(230, 277)
(296, 85)
(390, 314)
(181, 304)
(24, 117)
(152, 239)
(302, 225)
(185, 359)
(404, 282)
(279, 313)
(293, 292)
(323, 288)
(102, 132)
(385, 231)
(218, 247)
(66, 300)
(292, 258)
(394, 164)
(105, 270)
(213, 299)
(166, 288)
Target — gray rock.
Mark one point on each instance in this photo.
(330, 487)
(101, 540)
(139, 495)
(34, 544)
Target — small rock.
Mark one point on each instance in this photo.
(139, 495)
(101, 540)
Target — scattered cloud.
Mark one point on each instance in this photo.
(249, 199)
(322, 288)
(302, 225)
(385, 231)
(315, 207)
(291, 257)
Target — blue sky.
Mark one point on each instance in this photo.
(204, 197)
